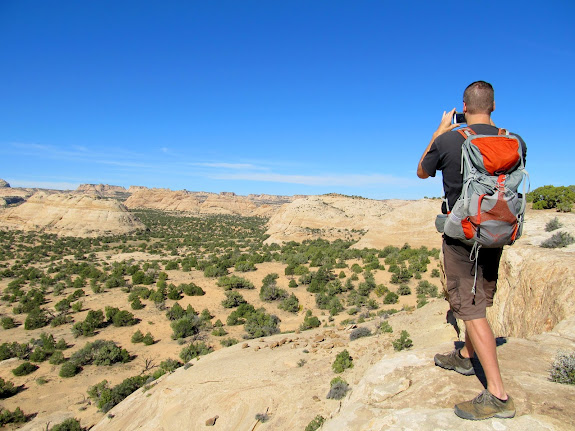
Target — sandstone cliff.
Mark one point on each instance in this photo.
(536, 285)
(204, 203)
(398, 391)
(70, 215)
(103, 190)
(375, 223)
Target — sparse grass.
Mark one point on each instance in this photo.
(563, 368)
(403, 342)
(553, 224)
(558, 240)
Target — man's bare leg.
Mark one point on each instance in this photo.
(482, 341)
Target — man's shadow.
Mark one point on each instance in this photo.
(479, 372)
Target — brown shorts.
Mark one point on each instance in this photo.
(459, 272)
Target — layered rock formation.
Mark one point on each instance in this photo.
(536, 285)
(70, 215)
(204, 203)
(401, 391)
(375, 223)
(103, 190)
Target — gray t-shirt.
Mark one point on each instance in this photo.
(445, 155)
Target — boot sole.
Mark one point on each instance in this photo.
(501, 415)
(463, 371)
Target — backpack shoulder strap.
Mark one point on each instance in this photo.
(466, 132)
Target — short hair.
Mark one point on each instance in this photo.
(479, 97)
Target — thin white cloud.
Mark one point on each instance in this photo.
(58, 185)
(223, 165)
(350, 180)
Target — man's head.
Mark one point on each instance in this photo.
(478, 98)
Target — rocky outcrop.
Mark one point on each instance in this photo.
(3, 183)
(103, 190)
(374, 223)
(203, 202)
(288, 377)
(70, 215)
(536, 285)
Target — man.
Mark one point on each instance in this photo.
(444, 153)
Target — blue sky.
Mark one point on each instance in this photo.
(279, 97)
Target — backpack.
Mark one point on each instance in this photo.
(489, 212)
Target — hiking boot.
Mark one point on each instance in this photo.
(485, 406)
(453, 361)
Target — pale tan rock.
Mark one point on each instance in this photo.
(334, 216)
(70, 215)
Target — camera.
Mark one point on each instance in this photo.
(458, 118)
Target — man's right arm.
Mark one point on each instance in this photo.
(444, 126)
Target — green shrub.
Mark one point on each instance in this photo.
(70, 424)
(342, 362)
(8, 322)
(385, 327)
(227, 342)
(261, 324)
(193, 350)
(136, 304)
(148, 339)
(137, 337)
(403, 342)
(124, 318)
(426, 288)
(359, 333)
(435, 272)
(192, 289)
(290, 304)
(239, 315)
(106, 398)
(234, 282)
(421, 301)
(7, 388)
(100, 352)
(166, 366)
(37, 318)
(14, 350)
(176, 312)
(61, 319)
(69, 369)
(553, 224)
(292, 283)
(24, 369)
(404, 290)
(548, 197)
(87, 328)
(558, 240)
(315, 423)
(185, 327)
(271, 292)
(338, 389)
(309, 321)
(219, 332)
(15, 417)
(57, 358)
(563, 368)
(391, 298)
(233, 299)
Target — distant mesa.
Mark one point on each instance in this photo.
(374, 224)
(3, 183)
(70, 215)
(205, 202)
(104, 191)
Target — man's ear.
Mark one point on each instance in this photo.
(464, 108)
(493, 106)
